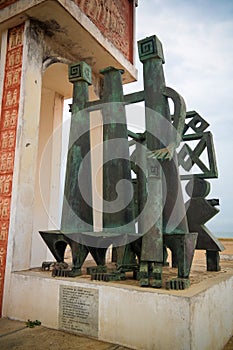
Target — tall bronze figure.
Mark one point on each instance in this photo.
(162, 139)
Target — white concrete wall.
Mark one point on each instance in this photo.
(23, 195)
(144, 320)
(47, 187)
(40, 114)
(96, 138)
(212, 314)
(199, 318)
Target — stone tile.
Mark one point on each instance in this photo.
(7, 326)
(15, 335)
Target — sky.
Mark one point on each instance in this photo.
(197, 39)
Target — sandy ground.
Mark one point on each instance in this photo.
(15, 335)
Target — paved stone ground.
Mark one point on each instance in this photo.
(14, 335)
(229, 345)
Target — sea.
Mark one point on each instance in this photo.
(224, 235)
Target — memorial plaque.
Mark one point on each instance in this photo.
(78, 310)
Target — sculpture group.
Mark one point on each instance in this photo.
(144, 212)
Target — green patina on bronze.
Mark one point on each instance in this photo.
(77, 214)
(116, 159)
(154, 201)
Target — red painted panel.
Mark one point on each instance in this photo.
(114, 18)
(5, 3)
(8, 125)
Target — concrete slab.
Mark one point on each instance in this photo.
(197, 318)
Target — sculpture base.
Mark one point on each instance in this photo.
(199, 317)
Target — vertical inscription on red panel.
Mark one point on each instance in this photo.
(8, 125)
(114, 18)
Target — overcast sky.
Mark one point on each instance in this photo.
(197, 38)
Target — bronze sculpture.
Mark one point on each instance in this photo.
(156, 206)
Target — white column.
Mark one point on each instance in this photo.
(23, 194)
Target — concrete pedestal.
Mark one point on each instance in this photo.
(198, 318)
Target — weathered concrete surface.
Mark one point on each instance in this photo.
(173, 316)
